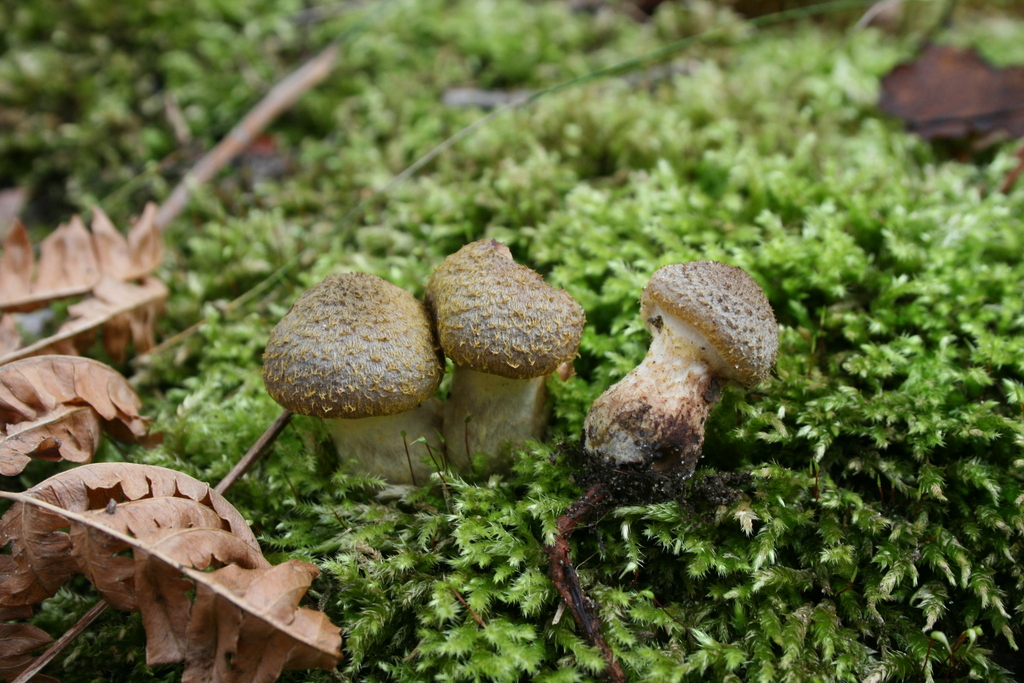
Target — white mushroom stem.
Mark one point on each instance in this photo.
(655, 415)
(491, 414)
(374, 446)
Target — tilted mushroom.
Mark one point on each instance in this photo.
(361, 353)
(506, 330)
(710, 324)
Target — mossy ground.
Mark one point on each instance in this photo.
(881, 534)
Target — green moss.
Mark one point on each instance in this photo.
(882, 534)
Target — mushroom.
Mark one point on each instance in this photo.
(710, 324)
(361, 353)
(506, 331)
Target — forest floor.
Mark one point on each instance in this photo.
(876, 529)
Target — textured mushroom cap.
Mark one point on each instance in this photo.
(725, 305)
(352, 346)
(498, 317)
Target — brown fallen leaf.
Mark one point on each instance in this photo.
(266, 632)
(948, 93)
(124, 311)
(54, 408)
(11, 201)
(112, 574)
(73, 260)
(244, 624)
(10, 340)
(40, 560)
(17, 641)
(166, 618)
(186, 529)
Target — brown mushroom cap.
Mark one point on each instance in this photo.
(352, 346)
(726, 306)
(499, 317)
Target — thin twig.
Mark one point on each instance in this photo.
(476, 617)
(927, 653)
(669, 614)
(175, 117)
(408, 459)
(465, 438)
(58, 645)
(876, 10)
(258, 450)
(441, 469)
(1012, 176)
(281, 97)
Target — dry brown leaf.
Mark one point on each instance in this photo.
(166, 615)
(245, 624)
(123, 310)
(17, 641)
(71, 243)
(10, 340)
(110, 572)
(188, 531)
(11, 201)
(54, 408)
(13, 613)
(73, 260)
(16, 262)
(40, 560)
(266, 634)
(948, 93)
